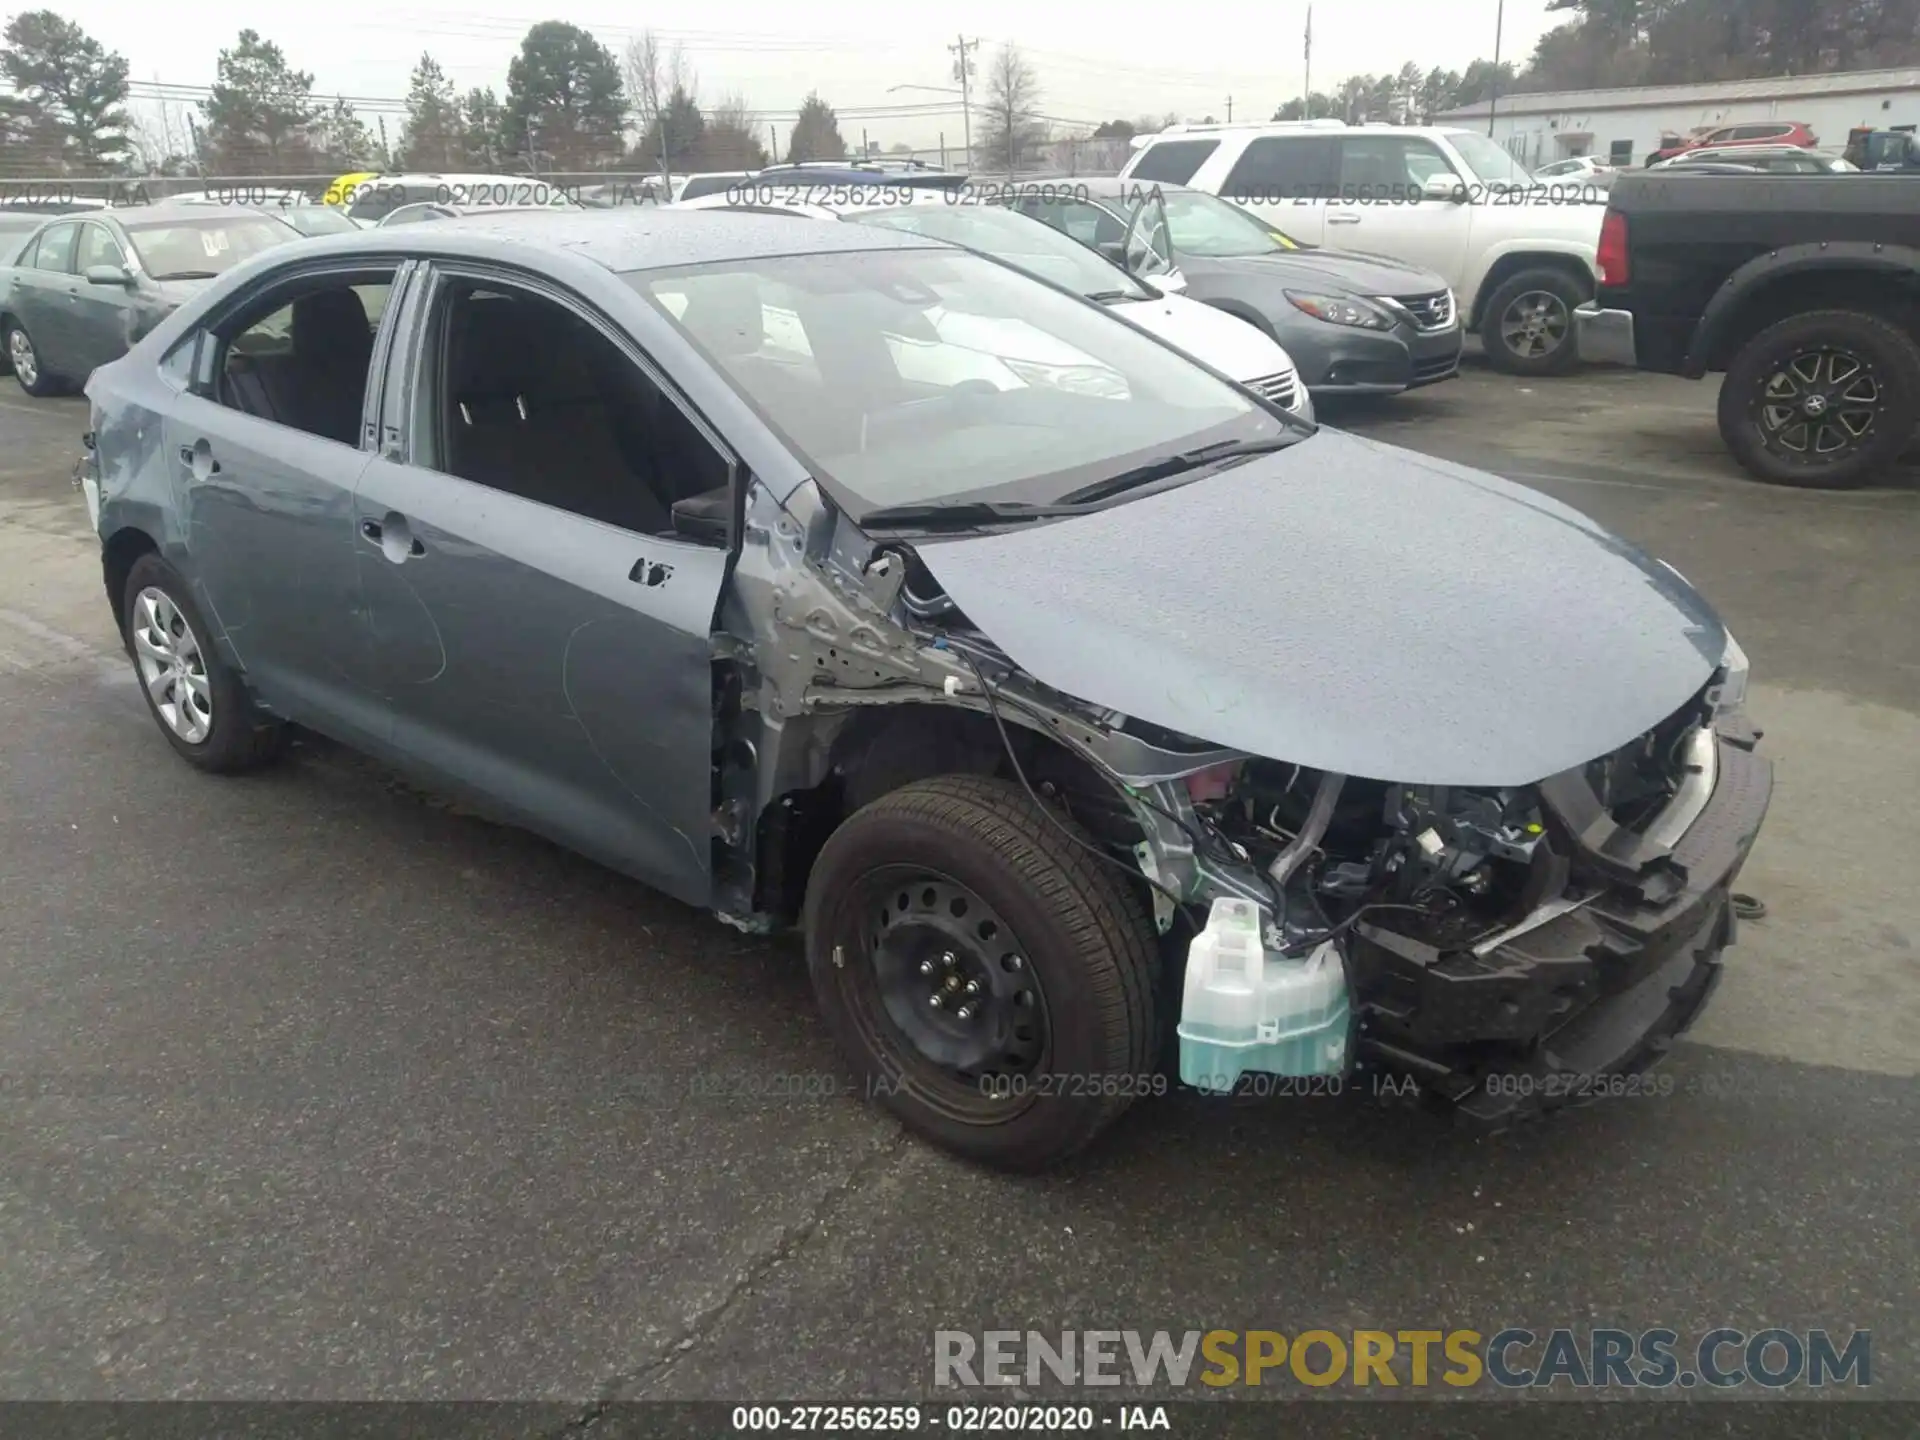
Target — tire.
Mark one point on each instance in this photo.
(44, 381)
(1085, 947)
(1773, 367)
(1549, 295)
(224, 733)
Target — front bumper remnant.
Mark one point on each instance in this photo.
(1599, 989)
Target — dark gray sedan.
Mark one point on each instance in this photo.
(84, 288)
(1354, 324)
(830, 575)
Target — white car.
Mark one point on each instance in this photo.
(375, 199)
(1519, 252)
(1589, 169)
(1216, 339)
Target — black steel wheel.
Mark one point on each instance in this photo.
(1826, 400)
(990, 979)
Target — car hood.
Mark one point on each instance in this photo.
(1353, 607)
(1343, 271)
(1226, 342)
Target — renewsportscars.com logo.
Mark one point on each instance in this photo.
(1508, 1359)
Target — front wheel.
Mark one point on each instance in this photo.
(990, 979)
(1824, 401)
(1528, 326)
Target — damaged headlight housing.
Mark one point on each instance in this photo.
(1728, 694)
(1340, 310)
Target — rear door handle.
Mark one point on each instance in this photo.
(377, 533)
(1343, 219)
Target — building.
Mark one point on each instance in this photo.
(1625, 125)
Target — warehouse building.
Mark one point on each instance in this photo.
(1624, 126)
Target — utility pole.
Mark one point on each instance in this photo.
(963, 49)
(1493, 100)
(386, 156)
(1306, 110)
(773, 139)
(1229, 109)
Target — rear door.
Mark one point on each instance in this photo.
(543, 636)
(1290, 182)
(267, 445)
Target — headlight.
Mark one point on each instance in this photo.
(1094, 380)
(1340, 310)
(1729, 693)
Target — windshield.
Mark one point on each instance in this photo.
(1035, 247)
(913, 377)
(1490, 162)
(1203, 224)
(199, 249)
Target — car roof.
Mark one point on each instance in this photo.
(195, 210)
(627, 239)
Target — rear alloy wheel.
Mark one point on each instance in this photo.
(990, 980)
(34, 378)
(1528, 326)
(1825, 401)
(198, 703)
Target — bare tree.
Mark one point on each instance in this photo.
(655, 75)
(1010, 129)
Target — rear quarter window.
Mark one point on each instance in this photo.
(1292, 167)
(1172, 162)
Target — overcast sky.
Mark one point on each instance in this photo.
(1093, 61)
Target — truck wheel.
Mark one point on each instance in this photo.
(1826, 401)
(1528, 328)
(991, 981)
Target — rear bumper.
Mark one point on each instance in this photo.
(1599, 991)
(1606, 336)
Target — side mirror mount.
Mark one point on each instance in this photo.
(1114, 250)
(1171, 283)
(1444, 187)
(109, 275)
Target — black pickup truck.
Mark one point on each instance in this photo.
(1803, 289)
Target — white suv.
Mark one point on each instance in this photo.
(1519, 252)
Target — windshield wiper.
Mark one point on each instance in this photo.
(1168, 466)
(962, 513)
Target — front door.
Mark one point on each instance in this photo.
(101, 313)
(542, 635)
(41, 298)
(1383, 209)
(267, 449)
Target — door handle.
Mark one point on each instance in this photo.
(189, 457)
(403, 542)
(1343, 219)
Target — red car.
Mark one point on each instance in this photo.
(1751, 132)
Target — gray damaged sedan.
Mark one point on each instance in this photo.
(1082, 709)
(81, 289)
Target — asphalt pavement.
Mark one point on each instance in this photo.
(314, 1085)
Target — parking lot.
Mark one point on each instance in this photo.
(316, 1086)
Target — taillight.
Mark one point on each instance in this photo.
(1612, 259)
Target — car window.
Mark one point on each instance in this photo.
(300, 356)
(1172, 162)
(56, 248)
(1388, 165)
(197, 249)
(1203, 224)
(1031, 244)
(530, 397)
(708, 185)
(924, 376)
(1285, 168)
(317, 220)
(1759, 132)
(97, 247)
(1491, 163)
(1090, 224)
(414, 215)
